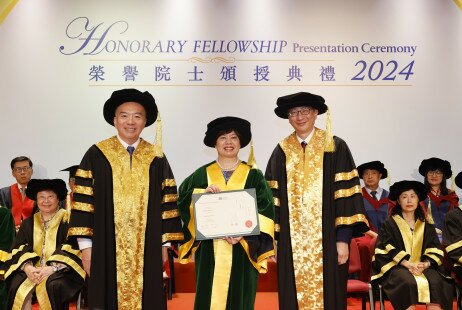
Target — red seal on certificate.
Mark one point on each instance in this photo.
(248, 223)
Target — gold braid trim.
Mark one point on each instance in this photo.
(435, 258)
(86, 174)
(42, 295)
(273, 184)
(69, 249)
(399, 257)
(170, 214)
(454, 246)
(276, 202)
(24, 289)
(388, 248)
(187, 249)
(4, 256)
(69, 262)
(345, 176)
(168, 183)
(13, 253)
(383, 270)
(25, 257)
(261, 265)
(84, 190)
(277, 228)
(170, 198)
(343, 193)
(434, 251)
(81, 206)
(172, 237)
(351, 220)
(80, 231)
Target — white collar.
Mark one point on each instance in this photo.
(125, 144)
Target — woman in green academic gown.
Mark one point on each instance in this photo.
(407, 254)
(227, 268)
(40, 260)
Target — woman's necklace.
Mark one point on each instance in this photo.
(45, 222)
(229, 168)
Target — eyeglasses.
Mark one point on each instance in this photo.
(303, 111)
(435, 173)
(21, 169)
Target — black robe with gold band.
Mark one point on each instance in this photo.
(7, 234)
(30, 245)
(318, 202)
(227, 275)
(397, 242)
(127, 207)
(452, 237)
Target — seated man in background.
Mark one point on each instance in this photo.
(14, 197)
(376, 204)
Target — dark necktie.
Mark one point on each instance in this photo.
(130, 150)
(374, 195)
(303, 143)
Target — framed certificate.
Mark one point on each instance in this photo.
(231, 213)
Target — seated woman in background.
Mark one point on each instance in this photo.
(452, 235)
(227, 269)
(40, 261)
(408, 259)
(440, 199)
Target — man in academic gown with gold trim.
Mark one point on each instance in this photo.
(319, 208)
(125, 208)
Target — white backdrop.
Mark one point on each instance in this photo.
(52, 111)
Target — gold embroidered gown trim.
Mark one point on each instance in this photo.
(304, 190)
(130, 192)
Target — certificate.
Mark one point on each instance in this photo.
(230, 213)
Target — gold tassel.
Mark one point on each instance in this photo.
(453, 188)
(330, 144)
(389, 179)
(158, 146)
(429, 212)
(68, 207)
(252, 161)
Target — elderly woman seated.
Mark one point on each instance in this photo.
(407, 260)
(40, 260)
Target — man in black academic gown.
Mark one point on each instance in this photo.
(452, 235)
(125, 208)
(319, 208)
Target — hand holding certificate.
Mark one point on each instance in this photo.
(230, 213)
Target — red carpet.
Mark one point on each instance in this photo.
(264, 301)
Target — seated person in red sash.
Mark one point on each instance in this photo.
(407, 257)
(376, 204)
(440, 199)
(40, 260)
(14, 197)
(452, 235)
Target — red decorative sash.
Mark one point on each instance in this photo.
(451, 198)
(20, 210)
(375, 203)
